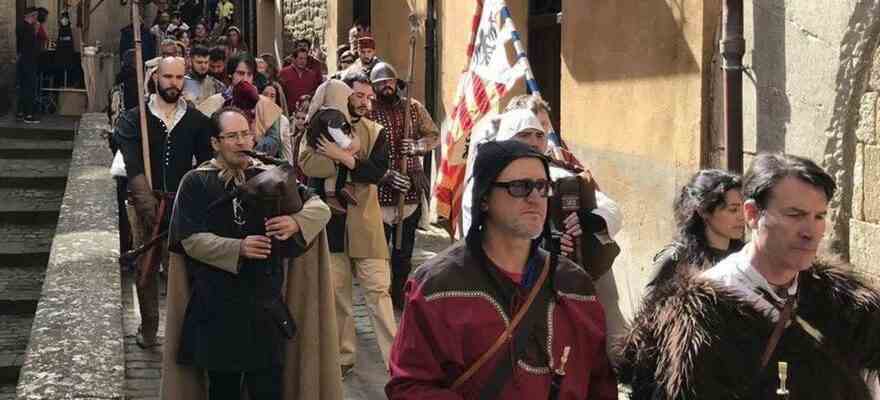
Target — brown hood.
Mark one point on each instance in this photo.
(332, 94)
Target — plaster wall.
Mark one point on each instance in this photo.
(634, 78)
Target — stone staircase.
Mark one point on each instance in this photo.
(34, 161)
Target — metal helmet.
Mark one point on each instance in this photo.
(382, 72)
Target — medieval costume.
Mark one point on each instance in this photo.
(705, 335)
(359, 65)
(198, 88)
(224, 313)
(263, 114)
(174, 143)
(600, 224)
(389, 111)
(356, 238)
(674, 259)
(460, 302)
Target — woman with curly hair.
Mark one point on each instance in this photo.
(711, 226)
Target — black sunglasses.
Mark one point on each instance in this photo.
(521, 188)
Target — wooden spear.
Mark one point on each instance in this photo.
(139, 68)
(407, 126)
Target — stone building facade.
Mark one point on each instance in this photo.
(641, 94)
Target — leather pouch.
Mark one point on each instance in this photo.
(281, 315)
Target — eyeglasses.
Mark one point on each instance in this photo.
(522, 188)
(243, 135)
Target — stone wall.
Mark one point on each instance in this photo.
(76, 344)
(864, 222)
(811, 89)
(303, 19)
(7, 54)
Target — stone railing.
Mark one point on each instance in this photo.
(76, 344)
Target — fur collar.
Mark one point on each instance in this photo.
(692, 335)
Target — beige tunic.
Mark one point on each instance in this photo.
(311, 369)
(364, 233)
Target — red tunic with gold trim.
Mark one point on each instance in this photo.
(391, 117)
(457, 305)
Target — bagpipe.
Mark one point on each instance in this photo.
(275, 190)
(573, 194)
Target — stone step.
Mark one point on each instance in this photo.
(15, 330)
(20, 289)
(23, 245)
(50, 128)
(30, 173)
(33, 148)
(29, 206)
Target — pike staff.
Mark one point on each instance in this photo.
(407, 125)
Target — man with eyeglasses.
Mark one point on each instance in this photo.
(237, 300)
(178, 133)
(462, 334)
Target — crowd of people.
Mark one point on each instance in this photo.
(260, 261)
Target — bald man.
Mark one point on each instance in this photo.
(178, 134)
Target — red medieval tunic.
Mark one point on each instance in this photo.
(459, 302)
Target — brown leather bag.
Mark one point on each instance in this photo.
(572, 194)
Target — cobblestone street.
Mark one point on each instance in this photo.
(366, 382)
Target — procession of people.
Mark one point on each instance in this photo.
(262, 189)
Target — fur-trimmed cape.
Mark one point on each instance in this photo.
(696, 339)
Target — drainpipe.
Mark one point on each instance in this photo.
(733, 47)
(430, 73)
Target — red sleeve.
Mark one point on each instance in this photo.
(417, 356)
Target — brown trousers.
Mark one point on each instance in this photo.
(148, 296)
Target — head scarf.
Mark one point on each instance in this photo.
(516, 121)
(332, 94)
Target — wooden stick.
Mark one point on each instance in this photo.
(407, 126)
(139, 68)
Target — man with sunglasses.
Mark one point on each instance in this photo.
(178, 133)
(461, 334)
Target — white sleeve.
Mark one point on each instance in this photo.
(610, 212)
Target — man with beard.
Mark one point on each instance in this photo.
(264, 115)
(177, 134)
(198, 84)
(461, 337)
(366, 50)
(357, 240)
(388, 110)
(217, 61)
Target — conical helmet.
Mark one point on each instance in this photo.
(382, 72)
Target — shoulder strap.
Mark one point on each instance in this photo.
(508, 333)
(784, 317)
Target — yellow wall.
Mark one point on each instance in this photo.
(390, 28)
(632, 92)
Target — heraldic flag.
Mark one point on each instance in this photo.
(488, 77)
